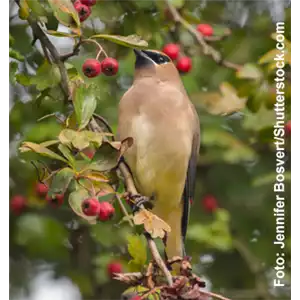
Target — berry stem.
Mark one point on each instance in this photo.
(101, 50)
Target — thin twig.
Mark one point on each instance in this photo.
(156, 256)
(207, 49)
(152, 291)
(40, 34)
(124, 210)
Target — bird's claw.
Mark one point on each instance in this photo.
(137, 200)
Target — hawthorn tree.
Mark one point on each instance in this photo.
(72, 204)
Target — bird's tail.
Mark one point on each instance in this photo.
(174, 242)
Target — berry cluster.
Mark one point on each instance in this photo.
(103, 210)
(18, 202)
(83, 8)
(184, 63)
(93, 67)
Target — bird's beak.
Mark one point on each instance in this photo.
(142, 59)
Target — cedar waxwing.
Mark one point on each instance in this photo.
(157, 113)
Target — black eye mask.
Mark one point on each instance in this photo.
(158, 58)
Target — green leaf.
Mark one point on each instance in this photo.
(66, 136)
(11, 40)
(137, 250)
(133, 40)
(105, 158)
(249, 71)
(23, 10)
(61, 181)
(66, 14)
(177, 3)
(47, 76)
(15, 54)
(75, 200)
(233, 149)
(262, 119)
(80, 141)
(37, 8)
(61, 34)
(13, 67)
(84, 104)
(40, 149)
(67, 154)
(23, 79)
(222, 215)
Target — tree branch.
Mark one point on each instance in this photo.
(207, 49)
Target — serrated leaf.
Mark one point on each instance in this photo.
(61, 34)
(61, 181)
(263, 118)
(84, 104)
(154, 225)
(133, 40)
(233, 150)
(249, 71)
(137, 249)
(47, 76)
(66, 14)
(225, 102)
(75, 200)
(67, 154)
(40, 149)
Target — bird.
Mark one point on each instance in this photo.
(158, 115)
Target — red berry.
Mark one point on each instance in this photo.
(91, 207)
(106, 211)
(184, 64)
(109, 66)
(205, 29)
(18, 203)
(114, 267)
(209, 203)
(288, 128)
(91, 67)
(89, 153)
(136, 297)
(84, 11)
(88, 2)
(172, 50)
(41, 189)
(56, 200)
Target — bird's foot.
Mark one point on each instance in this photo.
(137, 201)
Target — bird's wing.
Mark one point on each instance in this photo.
(190, 182)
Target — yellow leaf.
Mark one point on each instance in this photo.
(222, 103)
(155, 226)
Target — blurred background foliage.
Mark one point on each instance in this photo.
(232, 246)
